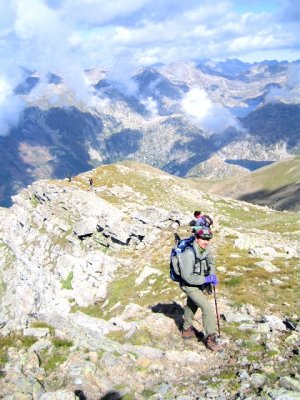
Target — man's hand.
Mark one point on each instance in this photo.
(211, 279)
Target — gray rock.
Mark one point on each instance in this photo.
(164, 389)
(275, 323)
(267, 265)
(290, 383)
(258, 380)
(283, 394)
(36, 332)
(237, 317)
(244, 376)
(147, 271)
(59, 395)
(85, 226)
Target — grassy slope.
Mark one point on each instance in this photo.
(241, 280)
(276, 185)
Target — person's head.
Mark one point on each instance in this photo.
(197, 214)
(202, 237)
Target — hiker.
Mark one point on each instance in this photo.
(200, 221)
(69, 177)
(91, 183)
(198, 273)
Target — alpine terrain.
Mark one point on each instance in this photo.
(88, 310)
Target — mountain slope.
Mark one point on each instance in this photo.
(276, 185)
(87, 306)
(275, 122)
(151, 120)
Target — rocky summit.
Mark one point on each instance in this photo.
(88, 310)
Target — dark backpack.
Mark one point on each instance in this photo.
(205, 220)
(208, 220)
(182, 245)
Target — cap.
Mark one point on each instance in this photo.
(203, 233)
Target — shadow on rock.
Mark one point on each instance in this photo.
(112, 395)
(173, 310)
(80, 395)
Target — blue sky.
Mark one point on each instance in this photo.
(68, 36)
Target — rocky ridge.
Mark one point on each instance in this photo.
(88, 311)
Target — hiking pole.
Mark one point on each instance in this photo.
(177, 238)
(217, 313)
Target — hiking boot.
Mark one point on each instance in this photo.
(188, 333)
(212, 344)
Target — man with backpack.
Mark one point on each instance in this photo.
(201, 220)
(196, 268)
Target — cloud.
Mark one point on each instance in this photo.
(206, 114)
(122, 78)
(151, 105)
(67, 36)
(48, 44)
(289, 92)
(294, 76)
(95, 12)
(11, 107)
(36, 38)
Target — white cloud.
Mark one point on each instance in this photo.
(208, 11)
(290, 89)
(67, 36)
(11, 107)
(151, 105)
(294, 76)
(122, 78)
(97, 12)
(206, 114)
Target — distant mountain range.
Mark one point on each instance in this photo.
(147, 119)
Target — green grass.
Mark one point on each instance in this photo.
(67, 283)
(233, 282)
(3, 287)
(61, 343)
(286, 172)
(253, 347)
(141, 337)
(147, 393)
(52, 361)
(57, 355)
(41, 324)
(151, 184)
(34, 201)
(17, 341)
(253, 284)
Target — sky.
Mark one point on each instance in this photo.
(68, 36)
